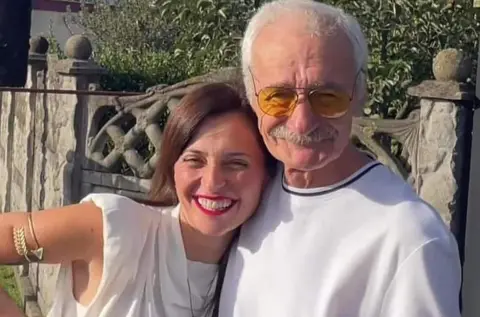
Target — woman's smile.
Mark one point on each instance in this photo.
(214, 205)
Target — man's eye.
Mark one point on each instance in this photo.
(278, 95)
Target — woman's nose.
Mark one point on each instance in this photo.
(213, 178)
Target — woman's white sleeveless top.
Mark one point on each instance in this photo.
(145, 271)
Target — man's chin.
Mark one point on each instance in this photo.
(303, 158)
(307, 161)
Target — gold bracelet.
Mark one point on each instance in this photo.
(38, 252)
(20, 243)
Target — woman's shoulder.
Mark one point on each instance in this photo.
(128, 226)
(112, 201)
(122, 213)
(109, 202)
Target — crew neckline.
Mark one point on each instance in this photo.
(317, 191)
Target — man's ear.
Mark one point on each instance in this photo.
(360, 103)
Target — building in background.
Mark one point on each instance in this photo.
(49, 17)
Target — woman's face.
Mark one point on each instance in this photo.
(220, 176)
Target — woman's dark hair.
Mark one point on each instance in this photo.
(208, 101)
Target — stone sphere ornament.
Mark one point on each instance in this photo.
(452, 65)
(78, 47)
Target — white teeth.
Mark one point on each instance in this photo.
(215, 205)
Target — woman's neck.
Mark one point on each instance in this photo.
(203, 248)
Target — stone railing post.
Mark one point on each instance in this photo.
(446, 112)
(63, 146)
(26, 139)
(16, 119)
(77, 72)
(17, 142)
(25, 142)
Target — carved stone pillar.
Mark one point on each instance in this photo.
(22, 121)
(446, 112)
(67, 120)
(59, 163)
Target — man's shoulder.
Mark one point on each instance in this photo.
(407, 216)
(380, 195)
(414, 223)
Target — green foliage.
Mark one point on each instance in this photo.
(54, 47)
(7, 282)
(148, 42)
(404, 36)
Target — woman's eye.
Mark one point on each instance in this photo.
(238, 164)
(192, 161)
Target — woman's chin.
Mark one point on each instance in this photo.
(215, 227)
(213, 231)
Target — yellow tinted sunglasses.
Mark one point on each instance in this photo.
(281, 101)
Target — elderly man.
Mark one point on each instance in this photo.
(338, 234)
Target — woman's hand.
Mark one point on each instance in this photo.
(8, 308)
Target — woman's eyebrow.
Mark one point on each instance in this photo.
(194, 151)
(237, 154)
(227, 154)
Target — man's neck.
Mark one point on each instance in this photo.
(350, 161)
(203, 248)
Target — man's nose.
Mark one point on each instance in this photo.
(303, 120)
(213, 178)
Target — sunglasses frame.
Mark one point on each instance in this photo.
(307, 91)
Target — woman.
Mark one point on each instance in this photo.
(123, 258)
(8, 308)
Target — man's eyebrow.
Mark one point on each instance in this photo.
(281, 84)
(329, 85)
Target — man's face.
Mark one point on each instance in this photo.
(294, 58)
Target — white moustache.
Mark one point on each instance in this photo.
(282, 132)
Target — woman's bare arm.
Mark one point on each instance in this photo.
(8, 308)
(66, 234)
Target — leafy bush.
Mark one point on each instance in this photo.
(404, 36)
(148, 42)
(8, 283)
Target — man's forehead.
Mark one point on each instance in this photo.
(316, 61)
(296, 47)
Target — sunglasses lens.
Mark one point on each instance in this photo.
(329, 104)
(277, 102)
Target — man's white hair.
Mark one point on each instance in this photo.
(320, 19)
